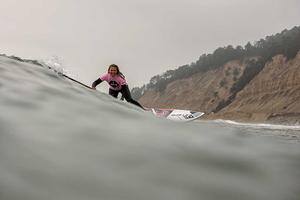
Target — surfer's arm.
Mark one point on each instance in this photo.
(96, 82)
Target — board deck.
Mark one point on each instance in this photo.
(176, 114)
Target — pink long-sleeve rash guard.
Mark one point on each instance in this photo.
(115, 82)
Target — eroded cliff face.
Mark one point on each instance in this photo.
(202, 91)
(273, 94)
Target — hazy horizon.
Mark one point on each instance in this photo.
(144, 38)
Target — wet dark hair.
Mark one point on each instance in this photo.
(118, 70)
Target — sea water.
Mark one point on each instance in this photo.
(59, 140)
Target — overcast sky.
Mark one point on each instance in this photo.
(144, 37)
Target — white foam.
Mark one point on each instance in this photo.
(55, 63)
(260, 125)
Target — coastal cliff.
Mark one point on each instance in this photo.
(201, 91)
(273, 94)
(258, 82)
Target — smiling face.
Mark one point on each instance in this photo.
(113, 71)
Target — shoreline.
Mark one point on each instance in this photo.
(288, 119)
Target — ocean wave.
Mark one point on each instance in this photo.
(60, 140)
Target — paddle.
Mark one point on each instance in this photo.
(77, 81)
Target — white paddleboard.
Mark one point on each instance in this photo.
(176, 115)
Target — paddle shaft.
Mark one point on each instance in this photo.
(77, 81)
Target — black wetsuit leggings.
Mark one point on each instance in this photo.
(126, 94)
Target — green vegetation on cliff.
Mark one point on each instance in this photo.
(286, 43)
